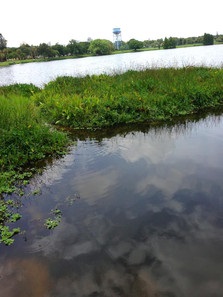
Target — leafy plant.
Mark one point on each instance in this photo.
(7, 215)
(51, 223)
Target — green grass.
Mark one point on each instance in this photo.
(25, 139)
(136, 96)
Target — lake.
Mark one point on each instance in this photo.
(142, 215)
(142, 207)
(41, 73)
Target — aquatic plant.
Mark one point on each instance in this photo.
(25, 139)
(135, 96)
(52, 223)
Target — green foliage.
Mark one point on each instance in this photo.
(136, 96)
(26, 90)
(25, 137)
(46, 51)
(52, 223)
(100, 47)
(7, 234)
(7, 215)
(135, 44)
(169, 43)
(3, 42)
(208, 39)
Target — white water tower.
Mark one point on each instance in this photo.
(117, 38)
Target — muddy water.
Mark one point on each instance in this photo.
(142, 215)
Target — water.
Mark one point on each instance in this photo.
(142, 215)
(41, 73)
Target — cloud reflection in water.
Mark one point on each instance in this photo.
(149, 221)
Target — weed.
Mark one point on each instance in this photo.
(52, 223)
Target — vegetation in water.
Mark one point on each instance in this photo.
(27, 114)
(135, 96)
(52, 223)
(25, 139)
(8, 215)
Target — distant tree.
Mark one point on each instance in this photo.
(60, 49)
(208, 39)
(100, 47)
(73, 47)
(169, 43)
(33, 51)
(19, 54)
(166, 43)
(3, 55)
(124, 46)
(84, 47)
(25, 51)
(219, 38)
(159, 43)
(3, 42)
(46, 51)
(135, 44)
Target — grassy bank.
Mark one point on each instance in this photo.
(145, 96)
(25, 139)
(27, 114)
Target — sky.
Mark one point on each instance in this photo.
(52, 21)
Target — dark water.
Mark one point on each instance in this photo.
(142, 216)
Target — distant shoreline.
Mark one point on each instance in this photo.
(15, 62)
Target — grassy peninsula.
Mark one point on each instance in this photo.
(28, 115)
(149, 95)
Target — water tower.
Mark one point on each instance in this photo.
(117, 38)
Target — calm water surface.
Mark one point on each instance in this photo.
(142, 216)
(41, 73)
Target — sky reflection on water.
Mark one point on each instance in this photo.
(142, 216)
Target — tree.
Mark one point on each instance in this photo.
(46, 51)
(135, 44)
(3, 42)
(219, 38)
(208, 39)
(169, 43)
(84, 47)
(100, 47)
(3, 50)
(25, 51)
(61, 49)
(73, 47)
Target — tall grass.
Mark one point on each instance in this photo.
(132, 97)
(25, 137)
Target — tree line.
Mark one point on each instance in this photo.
(96, 47)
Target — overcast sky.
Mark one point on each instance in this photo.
(51, 21)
